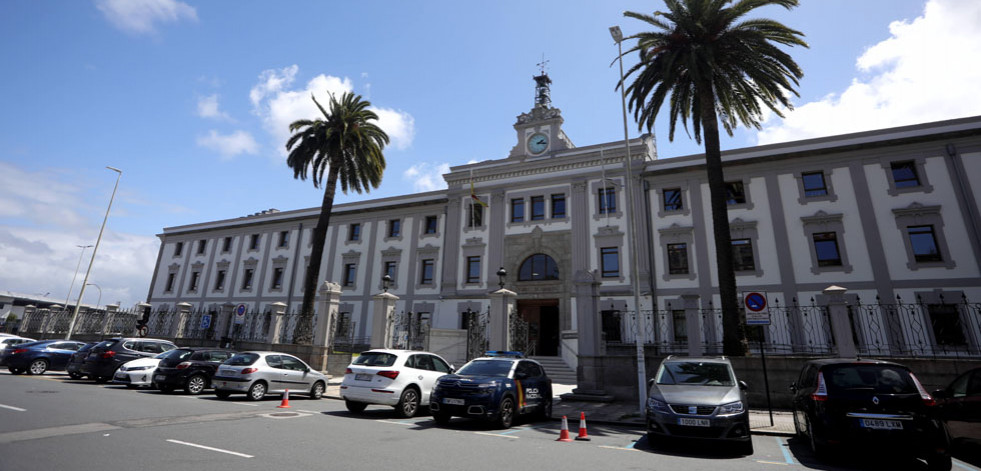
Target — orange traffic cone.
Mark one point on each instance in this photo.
(582, 427)
(286, 400)
(564, 435)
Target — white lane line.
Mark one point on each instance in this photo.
(246, 404)
(243, 455)
(496, 435)
(621, 448)
(964, 466)
(18, 409)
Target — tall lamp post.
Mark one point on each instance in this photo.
(77, 266)
(99, 302)
(501, 276)
(631, 234)
(85, 281)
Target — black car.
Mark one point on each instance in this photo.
(38, 357)
(960, 408)
(496, 388)
(107, 356)
(74, 367)
(868, 405)
(189, 369)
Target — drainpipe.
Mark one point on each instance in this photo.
(296, 263)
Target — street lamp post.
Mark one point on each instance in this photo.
(85, 281)
(631, 233)
(501, 276)
(77, 266)
(99, 302)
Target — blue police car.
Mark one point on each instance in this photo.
(496, 388)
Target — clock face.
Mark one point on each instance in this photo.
(537, 143)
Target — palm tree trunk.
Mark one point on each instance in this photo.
(303, 333)
(732, 333)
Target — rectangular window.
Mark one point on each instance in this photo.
(924, 243)
(475, 215)
(277, 281)
(195, 277)
(178, 248)
(284, 239)
(254, 242)
(394, 227)
(742, 255)
(946, 322)
(610, 262)
(680, 324)
(247, 279)
(426, 274)
(904, 174)
(826, 249)
(517, 210)
(611, 326)
(170, 282)
(354, 232)
(349, 272)
(607, 200)
(226, 245)
(735, 193)
(537, 208)
(558, 206)
(202, 244)
(391, 268)
(432, 224)
(220, 280)
(678, 259)
(814, 184)
(672, 199)
(473, 269)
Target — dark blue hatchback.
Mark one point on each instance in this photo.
(38, 357)
(495, 388)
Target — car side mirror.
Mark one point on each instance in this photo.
(452, 369)
(650, 383)
(793, 387)
(743, 385)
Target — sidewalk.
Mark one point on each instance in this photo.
(625, 414)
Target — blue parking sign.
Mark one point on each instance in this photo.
(205, 321)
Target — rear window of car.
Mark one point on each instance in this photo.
(375, 359)
(178, 354)
(242, 359)
(882, 379)
(695, 373)
(105, 345)
(87, 347)
(486, 368)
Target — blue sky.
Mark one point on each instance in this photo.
(192, 99)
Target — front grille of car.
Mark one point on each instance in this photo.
(684, 409)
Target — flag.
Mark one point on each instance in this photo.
(473, 194)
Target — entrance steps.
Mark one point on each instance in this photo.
(557, 370)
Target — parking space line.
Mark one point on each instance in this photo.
(501, 435)
(521, 429)
(18, 409)
(771, 462)
(243, 455)
(964, 466)
(246, 404)
(621, 448)
(785, 448)
(401, 422)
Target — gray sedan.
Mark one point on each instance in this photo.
(259, 373)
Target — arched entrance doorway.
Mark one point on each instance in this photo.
(542, 316)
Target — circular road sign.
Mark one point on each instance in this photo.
(240, 313)
(755, 302)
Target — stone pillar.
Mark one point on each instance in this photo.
(180, 320)
(696, 344)
(30, 312)
(330, 299)
(275, 323)
(501, 309)
(381, 319)
(841, 327)
(589, 372)
(107, 319)
(45, 315)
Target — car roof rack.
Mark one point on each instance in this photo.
(504, 354)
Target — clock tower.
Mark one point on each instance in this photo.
(540, 130)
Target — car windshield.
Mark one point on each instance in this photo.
(105, 344)
(486, 368)
(242, 359)
(375, 359)
(695, 373)
(882, 379)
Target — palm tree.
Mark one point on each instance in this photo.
(714, 65)
(348, 144)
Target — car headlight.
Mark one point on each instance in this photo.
(731, 408)
(489, 384)
(136, 368)
(657, 405)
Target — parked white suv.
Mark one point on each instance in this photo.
(403, 379)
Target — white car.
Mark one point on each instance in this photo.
(399, 378)
(137, 373)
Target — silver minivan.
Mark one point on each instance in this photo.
(256, 374)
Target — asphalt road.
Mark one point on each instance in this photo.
(51, 422)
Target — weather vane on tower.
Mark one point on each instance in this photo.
(542, 93)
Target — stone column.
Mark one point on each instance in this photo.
(696, 346)
(25, 322)
(589, 372)
(381, 319)
(275, 323)
(841, 327)
(45, 315)
(108, 318)
(330, 299)
(180, 320)
(502, 304)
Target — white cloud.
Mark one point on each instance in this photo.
(141, 16)
(924, 72)
(208, 108)
(426, 177)
(229, 145)
(278, 104)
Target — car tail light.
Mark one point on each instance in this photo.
(19, 350)
(348, 371)
(246, 371)
(928, 400)
(821, 393)
(183, 365)
(389, 374)
(107, 355)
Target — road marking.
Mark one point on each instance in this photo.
(964, 466)
(404, 422)
(18, 409)
(501, 435)
(621, 448)
(308, 411)
(771, 462)
(243, 455)
(522, 429)
(246, 404)
(55, 432)
(785, 448)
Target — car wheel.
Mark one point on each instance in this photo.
(505, 414)
(354, 406)
(74, 375)
(15, 371)
(38, 367)
(195, 384)
(222, 394)
(797, 431)
(746, 448)
(441, 418)
(257, 391)
(939, 462)
(166, 389)
(408, 404)
(545, 412)
(317, 391)
(818, 449)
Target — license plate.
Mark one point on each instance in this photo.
(453, 402)
(159, 378)
(693, 422)
(223, 383)
(882, 424)
(362, 377)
